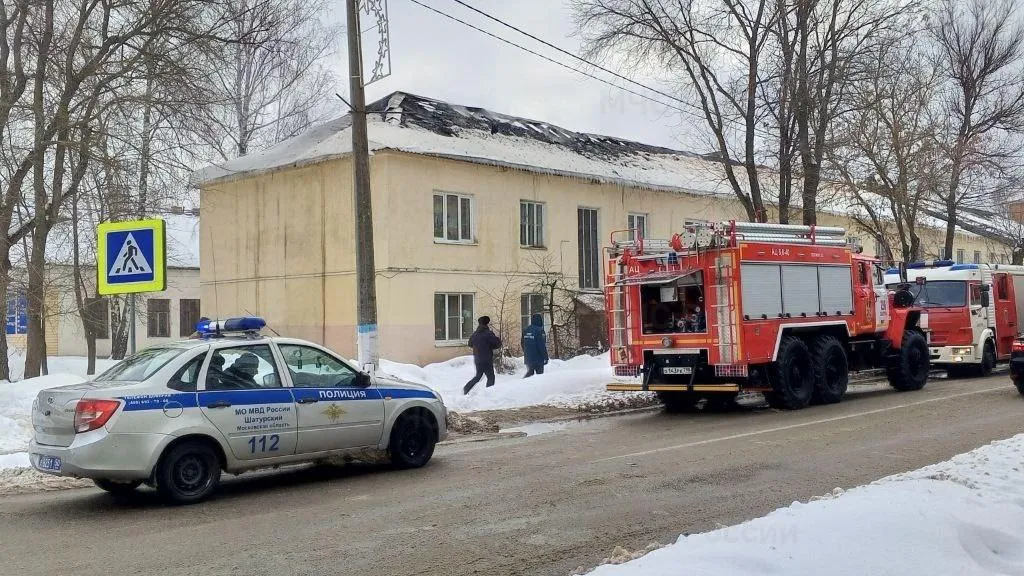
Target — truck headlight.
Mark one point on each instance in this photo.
(666, 342)
(963, 351)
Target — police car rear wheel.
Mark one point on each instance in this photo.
(117, 488)
(412, 440)
(188, 473)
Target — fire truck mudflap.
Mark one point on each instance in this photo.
(735, 307)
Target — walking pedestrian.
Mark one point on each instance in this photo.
(535, 346)
(484, 343)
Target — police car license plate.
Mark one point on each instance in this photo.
(51, 463)
(677, 370)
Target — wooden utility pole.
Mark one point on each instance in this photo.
(366, 337)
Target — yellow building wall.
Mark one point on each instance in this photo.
(282, 245)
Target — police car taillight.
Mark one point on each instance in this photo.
(93, 414)
(1018, 346)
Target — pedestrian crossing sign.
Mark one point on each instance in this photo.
(131, 257)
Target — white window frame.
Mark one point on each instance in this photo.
(528, 299)
(443, 239)
(977, 257)
(631, 219)
(464, 338)
(537, 230)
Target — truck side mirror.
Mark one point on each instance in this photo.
(986, 298)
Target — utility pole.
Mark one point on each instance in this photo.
(366, 336)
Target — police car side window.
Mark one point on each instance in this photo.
(242, 368)
(186, 379)
(313, 368)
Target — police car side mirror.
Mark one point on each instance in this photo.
(362, 379)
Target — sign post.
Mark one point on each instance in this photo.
(131, 258)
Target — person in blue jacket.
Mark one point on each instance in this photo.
(535, 346)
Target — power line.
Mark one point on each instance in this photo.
(553, 61)
(695, 111)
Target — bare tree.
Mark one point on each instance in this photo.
(884, 150)
(717, 48)
(270, 81)
(981, 46)
(559, 291)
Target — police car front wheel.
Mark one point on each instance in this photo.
(188, 473)
(413, 438)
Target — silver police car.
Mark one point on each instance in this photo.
(177, 416)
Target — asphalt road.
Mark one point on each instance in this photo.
(545, 504)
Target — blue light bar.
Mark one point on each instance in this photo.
(965, 267)
(243, 324)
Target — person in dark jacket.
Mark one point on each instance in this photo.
(535, 346)
(484, 343)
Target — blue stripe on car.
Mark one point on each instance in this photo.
(266, 396)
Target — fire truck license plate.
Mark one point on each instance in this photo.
(670, 370)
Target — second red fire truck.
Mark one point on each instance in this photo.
(733, 307)
(975, 311)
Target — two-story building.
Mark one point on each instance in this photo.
(474, 213)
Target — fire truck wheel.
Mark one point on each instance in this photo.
(831, 370)
(678, 402)
(988, 359)
(910, 371)
(793, 381)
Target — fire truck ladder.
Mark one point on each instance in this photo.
(619, 312)
(725, 312)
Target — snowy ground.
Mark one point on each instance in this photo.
(963, 516)
(564, 383)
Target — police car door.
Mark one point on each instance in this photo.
(336, 410)
(244, 398)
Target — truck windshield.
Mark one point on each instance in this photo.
(940, 294)
(140, 366)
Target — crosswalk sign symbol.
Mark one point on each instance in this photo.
(129, 260)
(131, 257)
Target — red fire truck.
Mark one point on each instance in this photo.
(785, 310)
(975, 311)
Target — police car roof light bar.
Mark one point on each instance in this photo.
(250, 325)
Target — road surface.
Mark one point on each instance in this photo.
(545, 504)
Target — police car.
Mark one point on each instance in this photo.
(177, 416)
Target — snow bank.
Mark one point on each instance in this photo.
(564, 383)
(963, 516)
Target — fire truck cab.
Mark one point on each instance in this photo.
(975, 311)
(730, 307)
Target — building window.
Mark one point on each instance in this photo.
(637, 224)
(158, 316)
(589, 250)
(977, 256)
(188, 316)
(97, 317)
(530, 304)
(453, 317)
(453, 218)
(960, 256)
(942, 253)
(531, 224)
(17, 314)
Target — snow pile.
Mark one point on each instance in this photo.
(581, 380)
(963, 516)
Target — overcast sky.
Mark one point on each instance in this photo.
(436, 57)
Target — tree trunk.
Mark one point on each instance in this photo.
(812, 177)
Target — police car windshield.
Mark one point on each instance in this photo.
(140, 366)
(939, 294)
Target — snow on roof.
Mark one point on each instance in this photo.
(418, 125)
